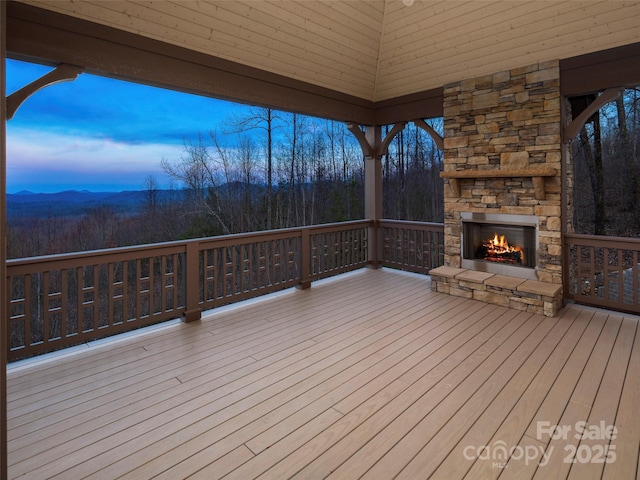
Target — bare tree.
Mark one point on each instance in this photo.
(593, 157)
(199, 171)
(246, 163)
(193, 169)
(151, 194)
(267, 120)
(630, 179)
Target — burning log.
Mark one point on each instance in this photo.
(497, 249)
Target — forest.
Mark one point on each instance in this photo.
(268, 169)
(606, 162)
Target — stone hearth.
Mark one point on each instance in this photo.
(528, 295)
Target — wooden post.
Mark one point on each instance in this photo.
(373, 147)
(191, 277)
(373, 193)
(305, 259)
(4, 309)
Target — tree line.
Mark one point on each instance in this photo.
(262, 170)
(606, 163)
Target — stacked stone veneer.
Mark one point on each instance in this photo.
(509, 121)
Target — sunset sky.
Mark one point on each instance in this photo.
(99, 134)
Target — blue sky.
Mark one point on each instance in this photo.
(99, 134)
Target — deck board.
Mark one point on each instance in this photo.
(627, 439)
(436, 373)
(496, 429)
(367, 375)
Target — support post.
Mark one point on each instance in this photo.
(373, 193)
(192, 309)
(373, 147)
(4, 309)
(305, 259)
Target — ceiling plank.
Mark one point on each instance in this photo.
(375, 55)
(549, 41)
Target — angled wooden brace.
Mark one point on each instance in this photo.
(355, 130)
(438, 140)
(384, 145)
(371, 150)
(62, 73)
(571, 131)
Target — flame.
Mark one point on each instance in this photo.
(502, 243)
(499, 245)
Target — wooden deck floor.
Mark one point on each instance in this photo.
(369, 375)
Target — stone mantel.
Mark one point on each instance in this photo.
(537, 174)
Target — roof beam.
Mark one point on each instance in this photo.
(594, 72)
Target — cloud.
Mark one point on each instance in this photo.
(47, 162)
(99, 133)
(126, 111)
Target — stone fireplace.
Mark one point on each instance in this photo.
(502, 171)
(501, 244)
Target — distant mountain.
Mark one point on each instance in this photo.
(66, 196)
(71, 203)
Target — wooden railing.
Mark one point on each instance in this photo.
(63, 300)
(412, 246)
(603, 271)
(237, 267)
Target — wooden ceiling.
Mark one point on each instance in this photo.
(374, 50)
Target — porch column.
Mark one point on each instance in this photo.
(4, 320)
(373, 192)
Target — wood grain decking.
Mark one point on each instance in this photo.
(368, 375)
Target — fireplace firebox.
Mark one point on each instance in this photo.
(500, 243)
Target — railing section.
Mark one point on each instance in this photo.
(337, 248)
(412, 246)
(603, 271)
(63, 300)
(238, 267)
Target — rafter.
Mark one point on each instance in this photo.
(374, 150)
(438, 140)
(609, 95)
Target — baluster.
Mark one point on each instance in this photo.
(27, 310)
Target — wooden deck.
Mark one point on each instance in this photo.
(368, 375)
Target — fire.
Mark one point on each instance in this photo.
(497, 249)
(502, 243)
